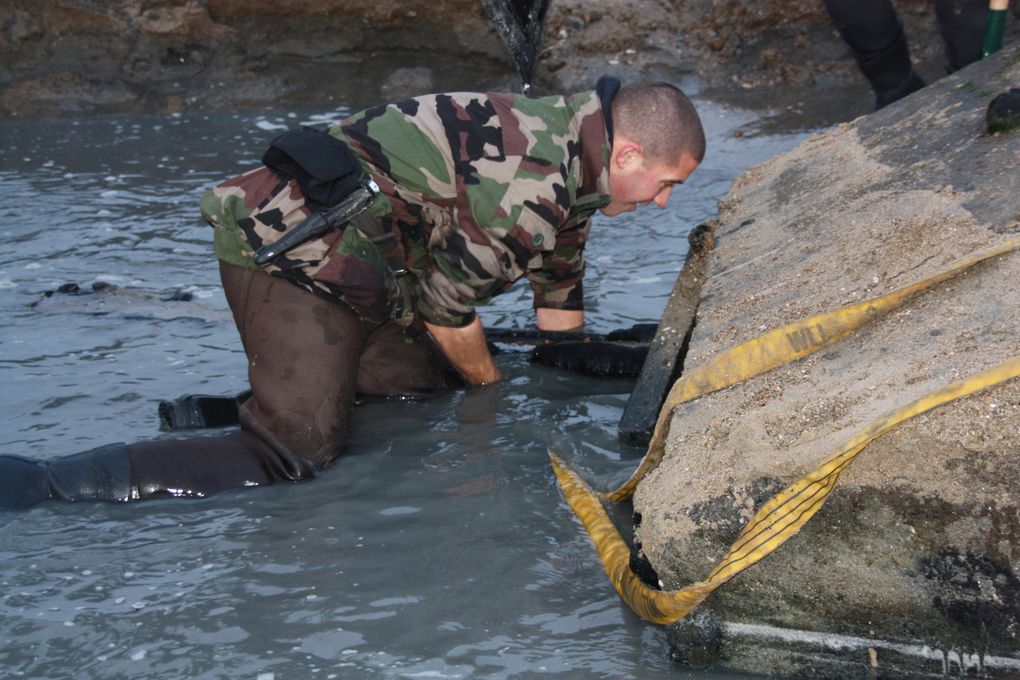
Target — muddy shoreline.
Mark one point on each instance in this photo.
(73, 57)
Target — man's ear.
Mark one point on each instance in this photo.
(626, 154)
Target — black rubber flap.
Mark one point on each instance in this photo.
(323, 166)
(520, 24)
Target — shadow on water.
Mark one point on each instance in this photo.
(439, 548)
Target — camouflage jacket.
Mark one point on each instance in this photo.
(481, 189)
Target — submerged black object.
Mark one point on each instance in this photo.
(195, 411)
(597, 359)
(618, 354)
(639, 332)
(520, 24)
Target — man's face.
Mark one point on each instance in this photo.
(632, 182)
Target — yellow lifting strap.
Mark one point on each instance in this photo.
(777, 520)
(779, 347)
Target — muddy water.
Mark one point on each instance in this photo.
(439, 548)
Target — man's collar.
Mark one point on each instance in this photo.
(606, 88)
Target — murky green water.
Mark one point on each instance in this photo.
(439, 548)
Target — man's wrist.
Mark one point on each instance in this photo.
(549, 319)
(467, 351)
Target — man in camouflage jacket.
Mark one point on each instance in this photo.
(477, 191)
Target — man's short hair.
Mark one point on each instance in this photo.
(660, 118)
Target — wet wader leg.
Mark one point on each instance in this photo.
(202, 466)
(392, 364)
(872, 30)
(303, 356)
(303, 362)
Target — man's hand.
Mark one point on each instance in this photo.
(559, 319)
(466, 349)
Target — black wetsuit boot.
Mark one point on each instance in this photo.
(97, 474)
(164, 468)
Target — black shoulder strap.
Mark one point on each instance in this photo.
(323, 166)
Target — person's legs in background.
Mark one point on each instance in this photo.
(962, 23)
(875, 35)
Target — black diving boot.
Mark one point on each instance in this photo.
(890, 72)
(164, 468)
(101, 474)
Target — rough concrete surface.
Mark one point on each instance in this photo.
(918, 548)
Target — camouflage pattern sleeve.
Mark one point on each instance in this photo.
(470, 272)
(258, 207)
(558, 282)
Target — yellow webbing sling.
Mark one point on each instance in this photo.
(779, 347)
(778, 519)
(785, 513)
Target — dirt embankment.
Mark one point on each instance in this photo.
(69, 56)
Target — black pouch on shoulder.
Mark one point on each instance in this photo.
(325, 168)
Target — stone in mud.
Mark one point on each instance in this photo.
(1004, 112)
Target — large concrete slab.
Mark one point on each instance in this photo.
(912, 568)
